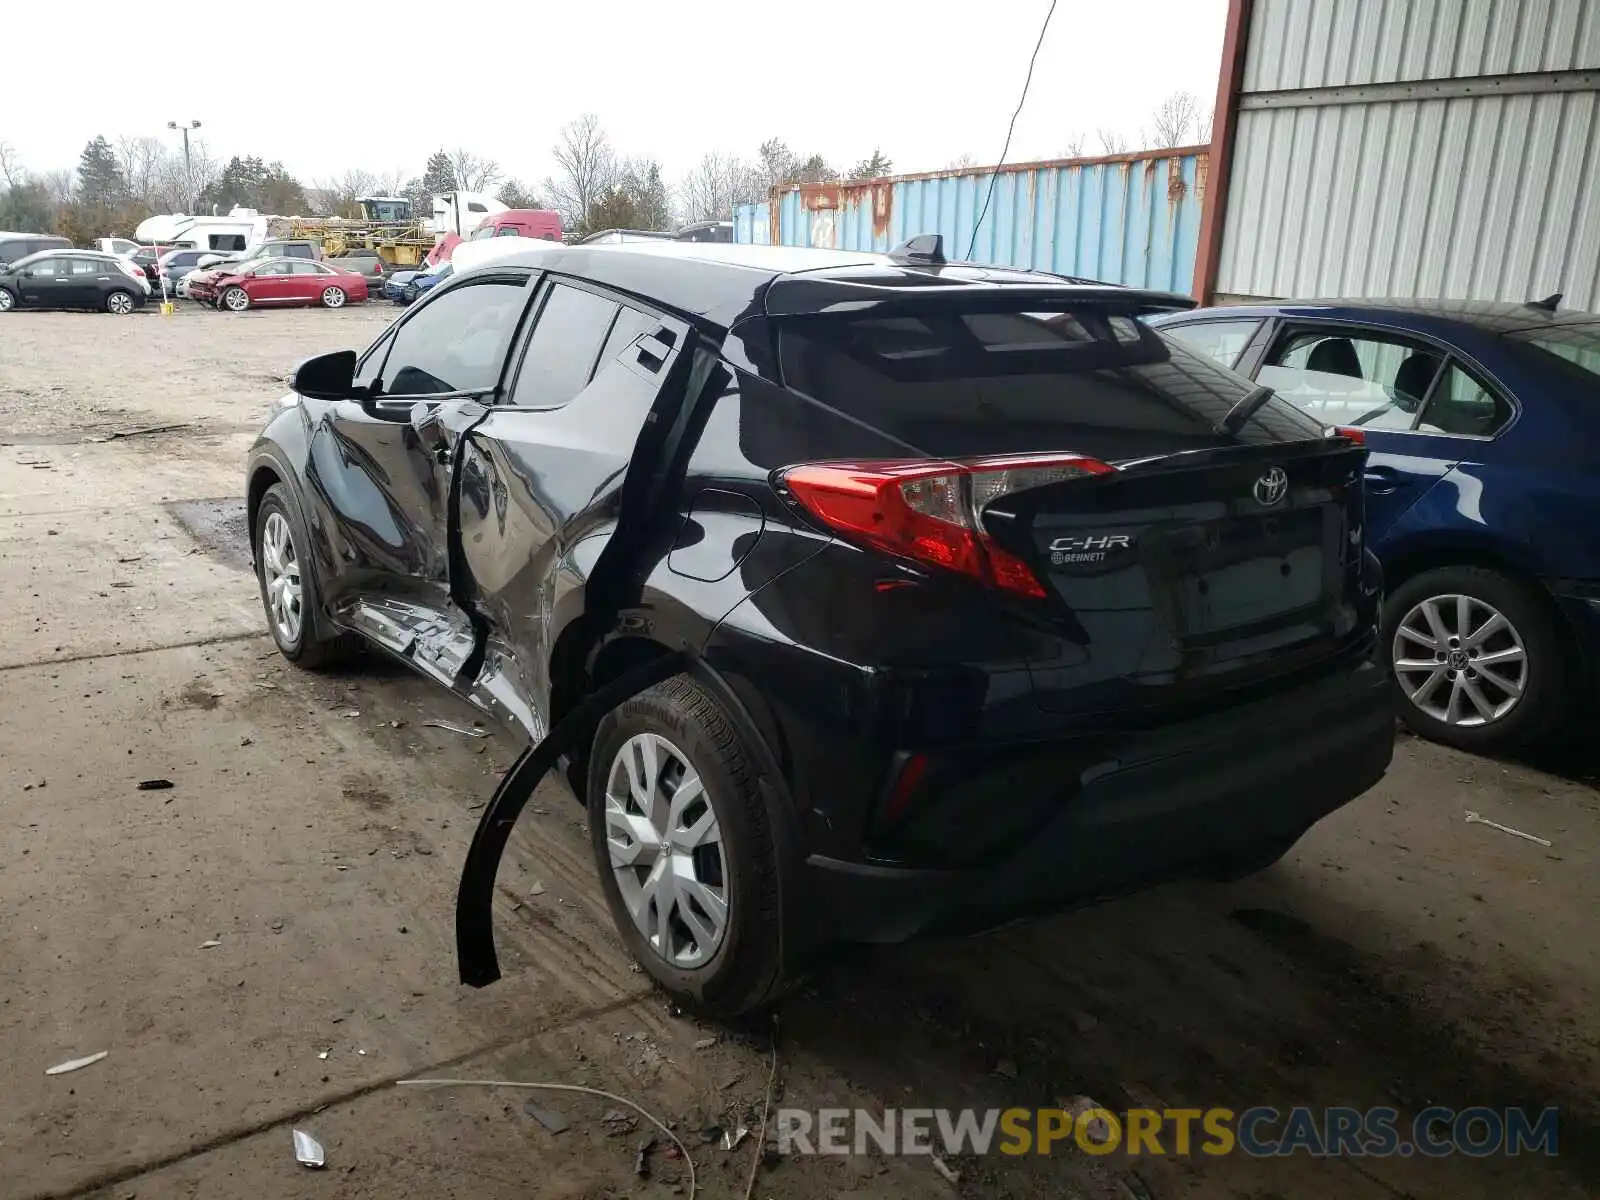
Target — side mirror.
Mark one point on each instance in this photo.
(327, 376)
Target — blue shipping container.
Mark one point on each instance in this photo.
(1129, 218)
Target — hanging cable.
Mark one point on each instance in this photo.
(994, 177)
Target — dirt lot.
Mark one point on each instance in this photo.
(267, 944)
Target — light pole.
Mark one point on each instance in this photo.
(188, 169)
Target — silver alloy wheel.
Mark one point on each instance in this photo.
(236, 299)
(333, 297)
(6, 300)
(119, 303)
(1460, 661)
(666, 850)
(280, 569)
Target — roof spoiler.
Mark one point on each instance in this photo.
(1548, 304)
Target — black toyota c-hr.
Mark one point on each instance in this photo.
(868, 595)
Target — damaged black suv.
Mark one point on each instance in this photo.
(857, 596)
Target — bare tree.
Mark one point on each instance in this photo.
(1111, 142)
(962, 162)
(1204, 126)
(389, 183)
(60, 186)
(716, 185)
(588, 168)
(473, 172)
(142, 160)
(11, 168)
(1173, 120)
(1076, 146)
(177, 181)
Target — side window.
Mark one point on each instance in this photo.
(484, 231)
(456, 343)
(566, 341)
(1462, 405)
(1351, 376)
(48, 267)
(277, 268)
(508, 231)
(371, 363)
(630, 325)
(88, 266)
(1220, 341)
(474, 206)
(294, 251)
(305, 268)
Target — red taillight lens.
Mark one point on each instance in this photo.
(929, 511)
(1354, 434)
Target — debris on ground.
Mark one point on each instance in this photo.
(617, 1122)
(1006, 1069)
(705, 1043)
(732, 1137)
(1475, 819)
(75, 1064)
(210, 943)
(951, 1177)
(641, 1163)
(553, 1121)
(155, 785)
(142, 432)
(536, 890)
(307, 1150)
(1096, 1130)
(1133, 1187)
(463, 730)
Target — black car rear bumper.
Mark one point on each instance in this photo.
(1165, 807)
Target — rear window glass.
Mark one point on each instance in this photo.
(1002, 381)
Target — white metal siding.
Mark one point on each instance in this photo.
(1483, 197)
(1338, 43)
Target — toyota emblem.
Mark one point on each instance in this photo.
(1271, 488)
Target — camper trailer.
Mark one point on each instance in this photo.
(242, 229)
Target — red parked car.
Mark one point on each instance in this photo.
(278, 283)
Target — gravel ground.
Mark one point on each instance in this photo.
(268, 944)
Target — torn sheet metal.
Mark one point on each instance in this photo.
(475, 954)
(75, 1064)
(307, 1150)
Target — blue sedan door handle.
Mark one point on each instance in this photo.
(1381, 481)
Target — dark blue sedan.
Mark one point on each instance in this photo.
(406, 287)
(1482, 423)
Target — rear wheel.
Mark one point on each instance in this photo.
(1477, 658)
(235, 299)
(120, 303)
(289, 590)
(7, 301)
(333, 298)
(686, 858)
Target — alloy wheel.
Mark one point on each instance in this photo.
(120, 303)
(1460, 661)
(236, 299)
(280, 568)
(333, 297)
(6, 300)
(666, 850)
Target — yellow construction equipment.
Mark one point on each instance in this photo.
(386, 225)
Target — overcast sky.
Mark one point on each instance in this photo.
(927, 80)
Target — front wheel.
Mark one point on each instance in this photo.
(333, 298)
(685, 853)
(120, 303)
(1477, 658)
(235, 299)
(7, 301)
(288, 580)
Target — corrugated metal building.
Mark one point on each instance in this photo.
(1438, 148)
(1128, 218)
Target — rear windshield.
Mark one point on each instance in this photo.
(1577, 345)
(990, 381)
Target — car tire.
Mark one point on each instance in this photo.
(333, 297)
(724, 971)
(298, 640)
(119, 302)
(1527, 650)
(8, 301)
(235, 299)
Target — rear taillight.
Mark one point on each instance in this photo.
(929, 511)
(1350, 433)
